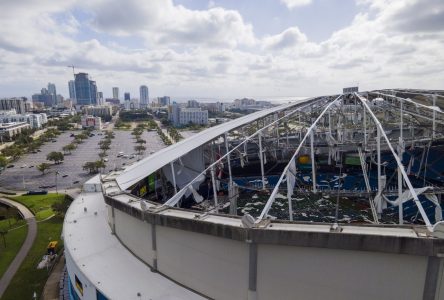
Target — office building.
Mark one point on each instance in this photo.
(163, 101)
(18, 104)
(10, 130)
(183, 116)
(44, 97)
(91, 122)
(85, 89)
(97, 111)
(112, 101)
(53, 93)
(126, 97)
(193, 104)
(115, 92)
(72, 90)
(132, 104)
(144, 96)
(100, 98)
(34, 120)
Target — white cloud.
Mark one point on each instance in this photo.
(162, 22)
(291, 4)
(214, 52)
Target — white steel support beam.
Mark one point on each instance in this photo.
(227, 151)
(261, 158)
(378, 153)
(270, 200)
(398, 161)
(213, 180)
(434, 117)
(174, 176)
(313, 166)
(365, 127)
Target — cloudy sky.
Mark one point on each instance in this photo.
(222, 48)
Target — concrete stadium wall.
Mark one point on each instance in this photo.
(286, 272)
(229, 262)
(213, 266)
(135, 234)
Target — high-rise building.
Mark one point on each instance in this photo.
(193, 104)
(144, 96)
(13, 103)
(127, 97)
(44, 97)
(72, 90)
(52, 91)
(163, 101)
(115, 92)
(99, 98)
(85, 89)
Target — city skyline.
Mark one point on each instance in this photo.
(222, 49)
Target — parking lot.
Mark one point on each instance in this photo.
(25, 176)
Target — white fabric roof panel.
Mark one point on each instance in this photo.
(150, 164)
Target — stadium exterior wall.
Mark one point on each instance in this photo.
(228, 262)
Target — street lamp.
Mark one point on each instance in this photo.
(56, 173)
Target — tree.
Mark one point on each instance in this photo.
(55, 156)
(68, 148)
(14, 151)
(100, 164)
(3, 161)
(90, 166)
(139, 148)
(43, 167)
(141, 141)
(104, 147)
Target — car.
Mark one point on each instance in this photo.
(123, 164)
(23, 166)
(75, 182)
(31, 167)
(105, 159)
(38, 150)
(72, 135)
(126, 156)
(132, 156)
(54, 141)
(43, 187)
(66, 175)
(10, 166)
(34, 152)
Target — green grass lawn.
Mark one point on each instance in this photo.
(40, 205)
(28, 279)
(14, 240)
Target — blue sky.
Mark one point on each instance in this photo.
(222, 48)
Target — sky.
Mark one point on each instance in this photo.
(222, 49)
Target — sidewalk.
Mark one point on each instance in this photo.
(27, 244)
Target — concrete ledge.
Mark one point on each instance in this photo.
(422, 246)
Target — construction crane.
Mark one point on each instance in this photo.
(73, 71)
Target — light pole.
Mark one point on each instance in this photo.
(56, 173)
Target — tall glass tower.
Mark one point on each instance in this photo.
(144, 97)
(86, 90)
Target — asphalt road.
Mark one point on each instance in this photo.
(27, 244)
